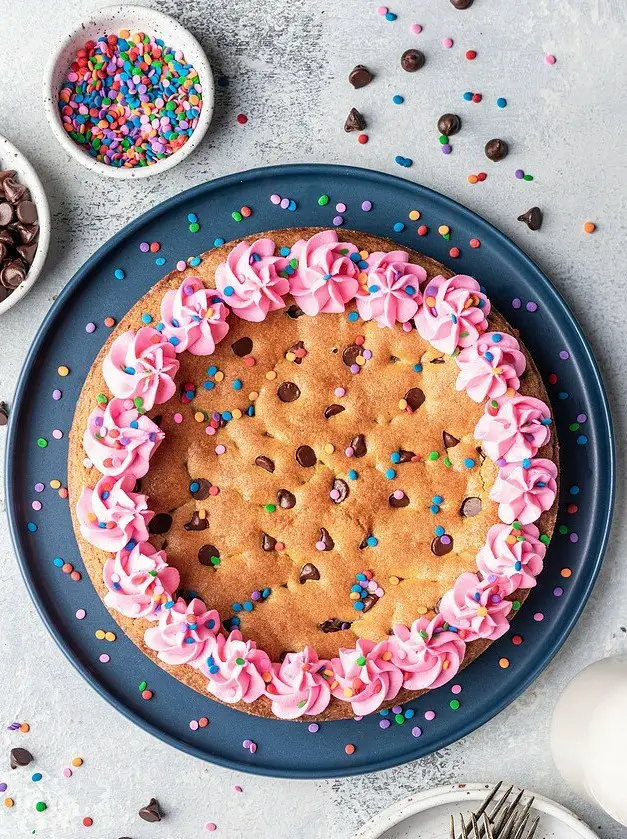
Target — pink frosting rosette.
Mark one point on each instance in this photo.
(325, 278)
(366, 676)
(393, 289)
(119, 440)
(300, 685)
(512, 555)
(491, 368)
(515, 429)
(111, 515)
(525, 490)
(236, 669)
(453, 312)
(140, 581)
(428, 655)
(141, 365)
(191, 321)
(476, 608)
(185, 633)
(249, 280)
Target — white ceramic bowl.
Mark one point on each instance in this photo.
(12, 158)
(110, 20)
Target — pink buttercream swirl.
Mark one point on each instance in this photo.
(366, 676)
(119, 440)
(141, 365)
(111, 515)
(453, 312)
(185, 632)
(515, 429)
(191, 319)
(476, 608)
(428, 655)
(491, 368)
(325, 278)
(236, 669)
(300, 685)
(140, 581)
(525, 490)
(515, 556)
(393, 289)
(249, 280)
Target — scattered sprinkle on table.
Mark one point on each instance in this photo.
(589, 227)
(550, 59)
(447, 43)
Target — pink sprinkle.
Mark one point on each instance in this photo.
(181, 265)
(340, 207)
(210, 430)
(104, 658)
(80, 614)
(253, 748)
(57, 394)
(144, 247)
(220, 449)
(237, 788)
(214, 490)
(280, 546)
(429, 715)
(36, 505)
(333, 495)
(538, 617)
(90, 327)
(276, 199)
(415, 29)
(313, 727)
(193, 724)
(379, 591)
(246, 743)
(398, 494)
(382, 10)
(339, 391)
(550, 59)
(211, 826)
(320, 545)
(39, 487)
(447, 43)
(178, 418)
(456, 689)
(57, 434)
(407, 327)
(67, 773)
(349, 452)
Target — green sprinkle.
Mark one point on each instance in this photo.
(516, 525)
(215, 560)
(42, 442)
(574, 426)
(361, 661)
(454, 704)
(40, 806)
(443, 139)
(516, 605)
(527, 177)
(447, 462)
(240, 661)
(544, 539)
(142, 686)
(563, 529)
(101, 399)
(399, 719)
(433, 456)
(270, 508)
(138, 402)
(195, 227)
(323, 200)
(236, 216)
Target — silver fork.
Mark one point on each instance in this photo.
(506, 820)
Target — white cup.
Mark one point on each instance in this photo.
(589, 735)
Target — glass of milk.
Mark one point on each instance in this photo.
(589, 735)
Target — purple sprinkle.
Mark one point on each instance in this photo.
(246, 743)
(582, 418)
(446, 539)
(90, 327)
(573, 537)
(519, 174)
(56, 394)
(367, 354)
(558, 591)
(358, 718)
(446, 148)
(501, 461)
(564, 354)
(384, 724)
(355, 368)
(416, 731)
(366, 206)
(256, 595)
(313, 727)
(338, 221)
(144, 247)
(39, 487)
(531, 306)
(285, 203)
(516, 303)
(3, 787)
(396, 709)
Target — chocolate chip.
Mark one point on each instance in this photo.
(27, 252)
(438, 360)
(197, 522)
(13, 273)
(299, 346)
(532, 218)
(152, 812)
(442, 545)
(26, 212)
(206, 552)
(355, 121)
(20, 757)
(405, 456)
(496, 149)
(412, 60)
(268, 543)
(306, 456)
(294, 311)
(461, 4)
(470, 507)
(308, 572)
(288, 392)
(449, 124)
(364, 542)
(369, 601)
(414, 398)
(243, 346)
(449, 441)
(333, 410)
(13, 191)
(157, 419)
(265, 463)
(358, 445)
(349, 355)
(6, 214)
(4, 413)
(4, 174)
(341, 487)
(360, 76)
(26, 232)
(325, 538)
(286, 499)
(398, 502)
(202, 491)
(393, 359)
(6, 238)
(335, 625)
(160, 523)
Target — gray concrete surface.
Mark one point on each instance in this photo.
(287, 61)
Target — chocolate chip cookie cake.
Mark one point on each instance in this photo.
(313, 477)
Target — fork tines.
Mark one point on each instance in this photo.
(507, 819)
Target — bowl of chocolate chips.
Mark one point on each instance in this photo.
(24, 225)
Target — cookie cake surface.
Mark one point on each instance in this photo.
(313, 477)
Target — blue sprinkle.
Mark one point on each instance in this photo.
(352, 317)
(250, 411)
(237, 384)
(385, 712)
(582, 440)
(468, 96)
(248, 606)
(352, 474)
(119, 274)
(399, 227)
(292, 205)
(398, 99)
(174, 341)
(403, 161)
(211, 371)
(526, 463)
(237, 607)
(195, 261)
(437, 499)
(409, 713)
(218, 242)
(497, 338)
(358, 604)
(501, 102)
(192, 218)
(214, 668)
(574, 490)
(417, 368)
(488, 356)
(372, 541)
(361, 577)
(562, 395)
(266, 593)
(194, 486)
(235, 621)
(434, 509)
(58, 562)
(356, 589)
(284, 252)
(439, 530)
(229, 291)
(227, 415)
(390, 473)
(373, 289)
(146, 318)
(517, 565)
(395, 457)
(37, 776)
(208, 385)
(390, 16)
(362, 264)
(160, 260)
(134, 424)
(409, 289)
(469, 462)
(355, 257)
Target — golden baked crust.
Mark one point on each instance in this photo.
(241, 527)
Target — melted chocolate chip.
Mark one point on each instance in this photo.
(294, 311)
(449, 441)
(470, 507)
(438, 360)
(442, 545)
(369, 601)
(358, 445)
(26, 232)
(364, 543)
(393, 359)
(20, 757)
(398, 502)
(325, 538)
(461, 4)
(152, 812)
(532, 218)
(406, 456)
(205, 553)
(268, 543)
(334, 625)
(412, 60)
(203, 489)
(288, 392)
(265, 463)
(298, 346)
(157, 420)
(449, 124)
(196, 522)
(27, 252)
(242, 347)
(349, 354)
(306, 456)
(308, 572)
(496, 149)
(333, 410)
(360, 76)
(286, 499)
(340, 486)
(160, 523)
(414, 398)
(355, 121)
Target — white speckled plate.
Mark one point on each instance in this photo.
(426, 815)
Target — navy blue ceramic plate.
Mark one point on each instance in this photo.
(41, 536)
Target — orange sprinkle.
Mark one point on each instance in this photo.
(504, 663)
(589, 227)
(349, 749)
(77, 761)
(8, 802)
(25, 728)
(147, 694)
(472, 179)
(203, 722)
(566, 572)
(109, 321)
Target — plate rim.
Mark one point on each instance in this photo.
(604, 419)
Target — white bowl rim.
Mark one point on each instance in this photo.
(150, 20)
(27, 175)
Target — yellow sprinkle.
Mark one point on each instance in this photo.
(202, 514)
(445, 664)
(199, 416)
(360, 360)
(236, 413)
(362, 277)
(124, 34)
(290, 356)
(353, 595)
(386, 655)
(63, 370)
(348, 692)
(482, 611)
(364, 254)
(402, 404)
(443, 229)
(55, 484)
(421, 610)
(394, 581)
(100, 634)
(109, 636)
(329, 448)
(219, 376)
(430, 301)
(271, 374)
(414, 215)
(77, 761)
(253, 395)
